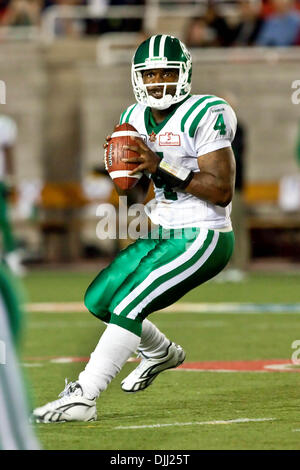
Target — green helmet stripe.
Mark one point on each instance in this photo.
(200, 115)
(156, 45)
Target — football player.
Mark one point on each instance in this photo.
(187, 154)
(15, 431)
(8, 136)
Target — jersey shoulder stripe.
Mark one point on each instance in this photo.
(200, 115)
(192, 109)
(125, 116)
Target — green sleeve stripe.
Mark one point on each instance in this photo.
(189, 112)
(200, 115)
(124, 115)
(129, 114)
(156, 45)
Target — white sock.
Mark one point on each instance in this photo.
(153, 342)
(115, 346)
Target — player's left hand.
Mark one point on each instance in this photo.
(148, 160)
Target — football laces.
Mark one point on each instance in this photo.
(105, 159)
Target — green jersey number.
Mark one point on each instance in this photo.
(168, 193)
(220, 124)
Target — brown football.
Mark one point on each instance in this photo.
(114, 152)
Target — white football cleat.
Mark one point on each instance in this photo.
(144, 374)
(72, 406)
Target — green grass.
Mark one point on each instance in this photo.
(176, 396)
(43, 286)
(57, 286)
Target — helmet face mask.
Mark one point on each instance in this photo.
(161, 52)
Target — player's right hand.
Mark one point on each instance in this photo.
(107, 139)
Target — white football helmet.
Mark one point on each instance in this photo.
(161, 51)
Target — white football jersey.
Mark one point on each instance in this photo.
(8, 135)
(198, 125)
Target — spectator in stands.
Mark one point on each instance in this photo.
(129, 24)
(297, 41)
(65, 26)
(8, 138)
(108, 25)
(199, 34)
(250, 22)
(22, 13)
(3, 8)
(210, 30)
(281, 27)
(268, 7)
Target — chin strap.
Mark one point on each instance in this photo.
(162, 103)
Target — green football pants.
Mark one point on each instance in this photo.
(155, 272)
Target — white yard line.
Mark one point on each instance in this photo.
(189, 307)
(198, 423)
(55, 307)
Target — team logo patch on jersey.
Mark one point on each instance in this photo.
(169, 139)
(152, 137)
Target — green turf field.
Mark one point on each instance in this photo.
(182, 409)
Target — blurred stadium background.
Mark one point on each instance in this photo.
(66, 66)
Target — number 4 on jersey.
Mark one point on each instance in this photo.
(220, 125)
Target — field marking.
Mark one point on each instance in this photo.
(264, 365)
(233, 307)
(189, 307)
(34, 364)
(198, 423)
(56, 307)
